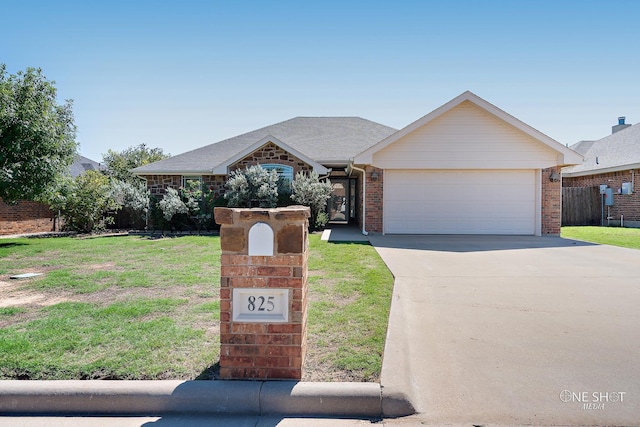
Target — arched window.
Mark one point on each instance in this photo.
(283, 170)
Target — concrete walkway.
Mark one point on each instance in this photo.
(499, 330)
(343, 233)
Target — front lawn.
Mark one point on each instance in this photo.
(138, 308)
(616, 236)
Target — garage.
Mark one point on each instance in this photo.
(460, 202)
(467, 167)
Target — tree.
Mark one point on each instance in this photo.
(308, 190)
(119, 164)
(37, 136)
(85, 202)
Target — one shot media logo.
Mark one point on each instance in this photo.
(592, 400)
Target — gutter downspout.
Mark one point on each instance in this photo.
(329, 170)
(364, 198)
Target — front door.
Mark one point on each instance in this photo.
(341, 205)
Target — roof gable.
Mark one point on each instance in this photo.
(564, 154)
(222, 168)
(82, 164)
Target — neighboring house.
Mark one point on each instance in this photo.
(614, 162)
(34, 217)
(465, 168)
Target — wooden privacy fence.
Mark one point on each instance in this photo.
(581, 206)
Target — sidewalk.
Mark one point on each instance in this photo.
(180, 421)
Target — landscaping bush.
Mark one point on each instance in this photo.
(187, 208)
(308, 190)
(258, 187)
(252, 187)
(84, 202)
(134, 199)
(172, 204)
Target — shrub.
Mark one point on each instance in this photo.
(308, 190)
(186, 208)
(199, 203)
(171, 204)
(252, 187)
(322, 218)
(132, 196)
(85, 202)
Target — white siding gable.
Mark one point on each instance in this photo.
(466, 137)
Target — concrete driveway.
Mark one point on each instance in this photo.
(513, 330)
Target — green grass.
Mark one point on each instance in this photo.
(11, 311)
(137, 308)
(80, 340)
(349, 305)
(616, 236)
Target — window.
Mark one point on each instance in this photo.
(284, 171)
(186, 178)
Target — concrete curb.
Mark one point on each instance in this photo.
(156, 398)
(396, 382)
(397, 387)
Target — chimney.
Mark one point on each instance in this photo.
(621, 125)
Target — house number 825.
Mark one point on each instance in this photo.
(261, 303)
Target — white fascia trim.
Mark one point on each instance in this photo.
(569, 157)
(601, 171)
(165, 172)
(335, 163)
(222, 168)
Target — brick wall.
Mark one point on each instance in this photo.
(262, 350)
(551, 202)
(374, 200)
(158, 184)
(25, 217)
(624, 204)
(271, 153)
(214, 183)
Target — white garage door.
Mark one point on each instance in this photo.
(459, 202)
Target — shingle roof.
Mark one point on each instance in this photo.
(582, 147)
(327, 140)
(82, 164)
(614, 152)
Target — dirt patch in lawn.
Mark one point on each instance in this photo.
(101, 267)
(14, 294)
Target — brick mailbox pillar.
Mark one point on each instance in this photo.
(263, 292)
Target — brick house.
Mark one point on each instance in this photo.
(465, 168)
(34, 217)
(612, 162)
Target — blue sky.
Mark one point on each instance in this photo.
(180, 75)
